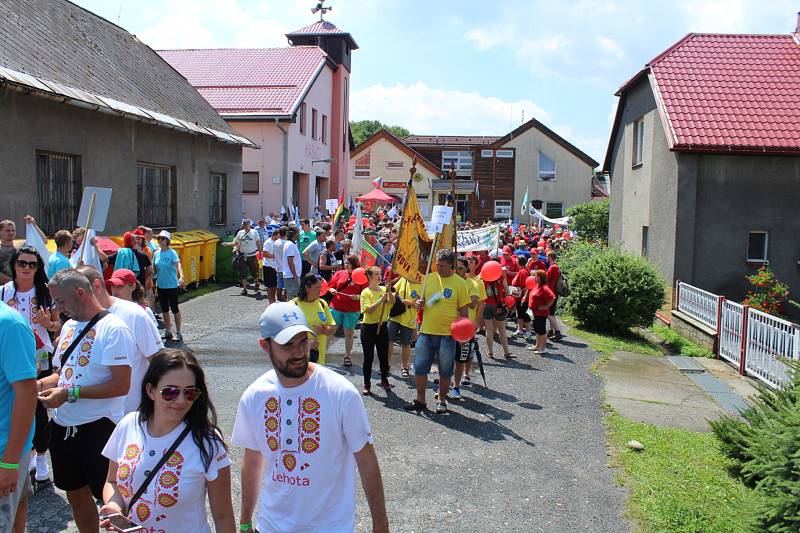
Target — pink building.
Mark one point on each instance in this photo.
(293, 102)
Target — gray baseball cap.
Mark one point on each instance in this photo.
(281, 321)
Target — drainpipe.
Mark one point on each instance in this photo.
(285, 158)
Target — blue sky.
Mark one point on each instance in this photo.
(468, 66)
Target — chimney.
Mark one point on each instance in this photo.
(797, 28)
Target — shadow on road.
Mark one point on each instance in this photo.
(558, 357)
(53, 512)
(573, 344)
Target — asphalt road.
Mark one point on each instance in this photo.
(526, 453)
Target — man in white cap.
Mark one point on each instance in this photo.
(306, 428)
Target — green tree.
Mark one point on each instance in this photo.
(362, 129)
(590, 220)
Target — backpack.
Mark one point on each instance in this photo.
(562, 286)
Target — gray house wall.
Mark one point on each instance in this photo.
(110, 147)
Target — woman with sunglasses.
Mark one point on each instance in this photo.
(175, 404)
(27, 293)
(376, 302)
(318, 315)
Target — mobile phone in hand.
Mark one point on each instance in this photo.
(122, 524)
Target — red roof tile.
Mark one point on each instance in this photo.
(448, 140)
(322, 28)
(265, 81)
(730, 92)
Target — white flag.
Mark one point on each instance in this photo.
(358, 232)
(33, 238)
(90, 257)
(392, 212)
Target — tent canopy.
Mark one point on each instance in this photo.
(376, 195)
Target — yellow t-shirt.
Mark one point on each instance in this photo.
(476, 288)
(317, 313)
(406, 290)
(368, 298)
(454, 293)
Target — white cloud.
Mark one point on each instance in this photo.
(611, 47)
(716, 16)
(594, 146)
(427, 110)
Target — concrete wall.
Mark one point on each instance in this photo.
(268, 162)
(573, 183)
(109, 148)
(693, 331)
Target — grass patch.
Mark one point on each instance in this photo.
(679, 344)
(607, 344)
(200, 290)
(680, 482)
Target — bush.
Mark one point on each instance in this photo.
(576, 254)
(590, 220)
(766, 449)
(768, 294)
(613, 291)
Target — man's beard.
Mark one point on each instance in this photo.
(288, 370)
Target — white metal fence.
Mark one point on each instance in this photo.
(699, 304)
(770, 340)
(730, 332)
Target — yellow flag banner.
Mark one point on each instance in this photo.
(414, 241)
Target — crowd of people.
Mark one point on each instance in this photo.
(85, 375)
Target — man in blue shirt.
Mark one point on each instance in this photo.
(60, 259)
(18, 391)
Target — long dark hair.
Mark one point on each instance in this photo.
(201, 417)
(308, 281)
(39, 278)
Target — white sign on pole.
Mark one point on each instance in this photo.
(95, 204)
(332, 204)
(442, 214)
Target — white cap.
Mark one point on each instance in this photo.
(281, 321)
(165, 234)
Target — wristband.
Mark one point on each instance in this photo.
(246, 526)
(9, 466)
(76, 391)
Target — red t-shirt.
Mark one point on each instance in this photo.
(519, 281)
(511, 265)
(495, 292)
(344, 285)
(538, 264)
(538, 297)
(553, 273)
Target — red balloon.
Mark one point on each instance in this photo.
(462, 330)
(360, 276)
(323, 289)
(530, 282)
(509, 300)
(365, 222)
(491, 271)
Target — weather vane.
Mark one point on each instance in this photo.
(321, 10)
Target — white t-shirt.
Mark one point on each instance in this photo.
(291, 253)
(308, 435)
(247, 241)
(109, 343)
(26, 304)
(269, 247)
(279, 262)
(175, 499)
(147, 342)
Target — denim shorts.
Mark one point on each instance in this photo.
(280, 280)
(430, 347)
(292, 286)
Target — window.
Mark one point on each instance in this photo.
(302, 118)
(59, 190)
(638, 141)
(487, 153)
(217, 199)
(645, 240)
(362, 166)
(250, 183)
(502, 209)
(757, 246)
(314, 124)
(461, 160)
(554, 210)
(507, 154)
(395, 164)
(324, 129)
(547, 168)
(157, 195)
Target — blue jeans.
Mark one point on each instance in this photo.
(429, 347)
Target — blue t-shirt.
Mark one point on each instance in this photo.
(17, 363)
(164, 264)
(57, 261)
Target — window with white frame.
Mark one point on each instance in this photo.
(554, 210)
(395, 165)
(502, 209)
(362, 166)
(461, 160)
(505, 154)
(638, 141)
(547, 168)
(757, 242)
(487, 153)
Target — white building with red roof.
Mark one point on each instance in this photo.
(293, 102)
(704, 159)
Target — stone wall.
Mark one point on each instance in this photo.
(693, 330)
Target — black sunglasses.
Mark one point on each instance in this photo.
(27, 264)
(171, 393)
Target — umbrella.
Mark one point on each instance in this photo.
(479, 357)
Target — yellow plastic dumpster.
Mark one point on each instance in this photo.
(208, 256)
(189, 253)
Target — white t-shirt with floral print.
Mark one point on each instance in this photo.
(175, 499)
(27, 305)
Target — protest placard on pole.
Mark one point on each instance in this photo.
(441, 215)
(332, 204)
(95, 205)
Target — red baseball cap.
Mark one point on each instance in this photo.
(121, 277)
(138, 233)
(506, 249)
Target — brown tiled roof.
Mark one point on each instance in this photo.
(448, 140)
(558, 139)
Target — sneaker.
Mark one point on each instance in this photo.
(244, 292)
(178, 336)
(441, 407)
(455, 393)
(466, 382)
(558, 336)
(42, 470)
(167, 335)
(550, 334)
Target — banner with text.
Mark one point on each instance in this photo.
(478, 239)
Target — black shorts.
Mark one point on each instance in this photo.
(553, 307)
(249, 265)
(522, 311)
(78, 461)
(399, 330)
(168, 300)
(270, 277)
(492, 312)
(540, 325)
